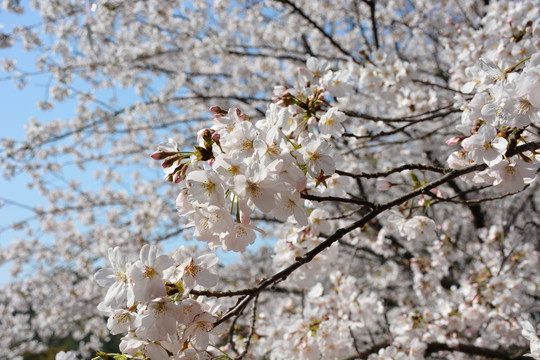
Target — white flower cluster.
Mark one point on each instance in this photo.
(502, 114)
(147, 300)
(444, 276)
(241, 166)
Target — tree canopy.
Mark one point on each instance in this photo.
(373, 163)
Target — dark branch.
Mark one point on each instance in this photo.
(319, 28)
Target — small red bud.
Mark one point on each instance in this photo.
(158, 155)
(177, 177)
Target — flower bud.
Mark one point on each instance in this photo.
(454, 141)
(207, 138)
(169, 162)
(177, 177)
(216, 110)
(158, 155)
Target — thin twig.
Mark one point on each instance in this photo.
(395, 170)
(251, 328)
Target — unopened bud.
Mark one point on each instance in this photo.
(158, 155)
(216, 110)
(207, 138)
(454, 141)
(312, 120)
(177, 177)
(169, 162)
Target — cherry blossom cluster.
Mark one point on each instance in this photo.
(241, 166)
(502, 114)
(366, 243)
(148, 301)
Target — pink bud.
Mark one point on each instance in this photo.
(510, 20)
(158, 155)
(454, 141)
(216, 110)
(422, 201)
(215, 136)
(312, 120)
(438, 193)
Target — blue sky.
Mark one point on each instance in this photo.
(17, 107)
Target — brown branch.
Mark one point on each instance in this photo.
(337, 199)
(475, 350)
(251, 328)
(249, 294)
(517, 354)
(432, 114)
(395, 170)
(371, 4)
(319, 28)
(423, 82)
(402, 128)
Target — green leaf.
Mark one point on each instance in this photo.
(415, 180)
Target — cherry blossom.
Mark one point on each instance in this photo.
(342, 180)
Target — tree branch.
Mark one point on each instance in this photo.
(319, 28)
